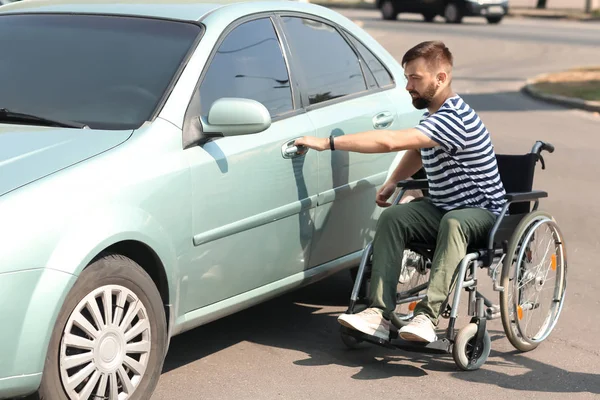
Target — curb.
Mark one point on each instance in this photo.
(587, 105)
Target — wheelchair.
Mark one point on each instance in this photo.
(525, 253)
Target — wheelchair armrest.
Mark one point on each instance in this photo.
(413, 184)
(525, 196)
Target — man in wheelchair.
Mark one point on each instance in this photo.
(471, 192)
(465, 192)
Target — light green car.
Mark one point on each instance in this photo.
(149, 178)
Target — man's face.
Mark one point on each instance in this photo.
(421, 83)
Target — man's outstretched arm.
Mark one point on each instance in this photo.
(380, 141)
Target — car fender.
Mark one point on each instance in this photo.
(93, 232)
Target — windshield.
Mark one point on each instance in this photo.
(105, 72)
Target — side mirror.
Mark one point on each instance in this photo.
(234, 116)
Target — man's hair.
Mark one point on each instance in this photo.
(435, 54)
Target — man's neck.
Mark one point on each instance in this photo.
(440, 99)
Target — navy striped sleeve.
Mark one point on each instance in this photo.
(446, 128)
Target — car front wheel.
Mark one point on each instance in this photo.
(110, 336)
(494, 20)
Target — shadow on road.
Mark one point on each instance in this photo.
(297, 321)
(539, 377)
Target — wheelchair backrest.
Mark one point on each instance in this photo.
(516, 172)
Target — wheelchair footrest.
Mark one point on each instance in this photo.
(442, 345)
(439, 346)
(366, 338)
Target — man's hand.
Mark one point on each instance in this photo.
(384, 194)
(312, 142)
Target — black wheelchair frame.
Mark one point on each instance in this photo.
(470, 352)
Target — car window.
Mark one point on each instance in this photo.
(382, 76)
(107, 72)
(329, 65)
(249, 64)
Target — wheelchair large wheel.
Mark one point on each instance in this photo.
(534, 280)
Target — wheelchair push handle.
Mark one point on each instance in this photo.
(548, 147)
(540, 146)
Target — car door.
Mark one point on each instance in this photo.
(253, 206)
(343, 97)
(409, 5)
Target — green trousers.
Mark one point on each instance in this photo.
(421, 221)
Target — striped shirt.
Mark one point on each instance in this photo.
(462, 170)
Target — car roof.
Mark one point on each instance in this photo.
(187, 10)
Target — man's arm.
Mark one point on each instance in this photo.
(407, 167)
(381, 141)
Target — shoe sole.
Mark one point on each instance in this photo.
(363, 327)
(411, 337)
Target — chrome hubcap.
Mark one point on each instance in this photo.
(105, 346)
(388, 8)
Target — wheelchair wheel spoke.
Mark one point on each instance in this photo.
(537, 286)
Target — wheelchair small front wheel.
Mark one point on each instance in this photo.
(464, 351)
(534, 281)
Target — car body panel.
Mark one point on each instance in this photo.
(255, 224)
(35, 297)
(347, 181)
(29, 153)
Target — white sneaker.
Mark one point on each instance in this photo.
(369, 321)
(420, 329)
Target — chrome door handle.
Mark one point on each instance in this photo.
(383, 120)
(290, 150)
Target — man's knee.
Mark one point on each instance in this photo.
(391, 223)
(471, 225)
(452, 224)
(393, 216)
(452, 220)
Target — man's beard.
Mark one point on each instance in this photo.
(423, 100)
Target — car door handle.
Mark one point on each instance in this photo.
(383, 120)
(290, 150)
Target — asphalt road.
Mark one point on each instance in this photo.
(289, 348)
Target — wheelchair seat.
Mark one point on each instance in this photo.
(507, 226)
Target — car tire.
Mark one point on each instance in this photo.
(494, 20)
(429, 17)
(452, 14)
(136, 306)
(388, 10)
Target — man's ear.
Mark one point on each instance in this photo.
(442, 78)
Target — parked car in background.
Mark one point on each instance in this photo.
(453, 11)
(150, 182)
